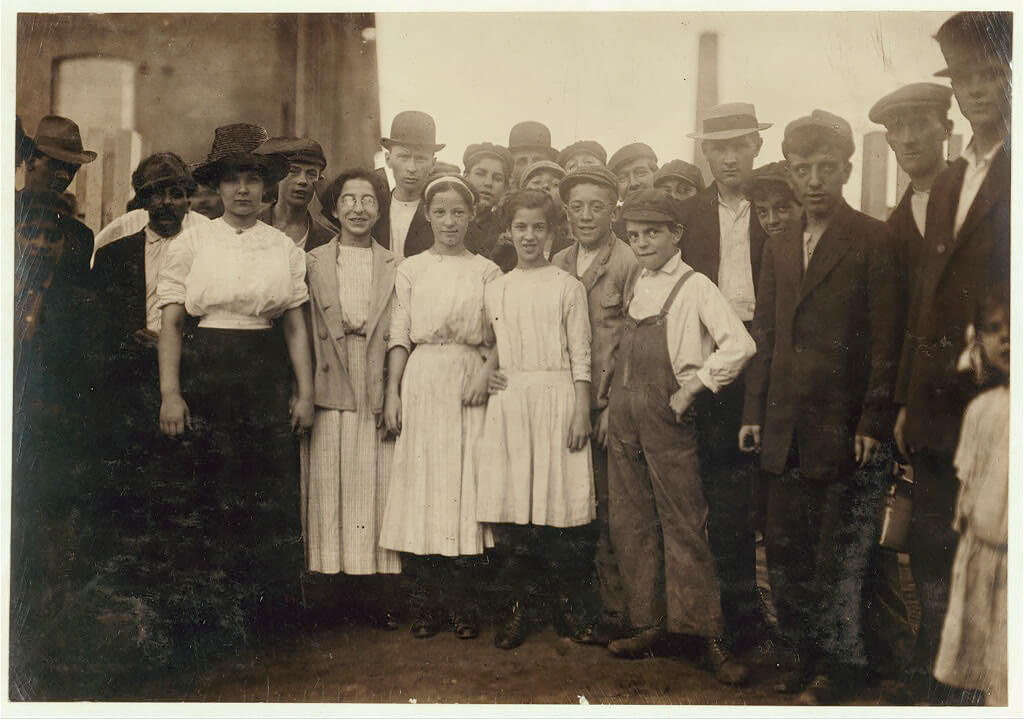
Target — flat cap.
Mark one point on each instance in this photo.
(592, 174)
(650, 205)
(918, 94)
(537, 166)
(975, 38)
(294, 149)
(487, 149)
(682, 170)
(774, 173)
(589, 146)
(630, 152)
(839, 129)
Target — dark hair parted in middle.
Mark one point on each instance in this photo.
(330, 192)
(528, 200)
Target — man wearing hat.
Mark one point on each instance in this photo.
(581, 154)
(722, 240)
(681, 339)
(409, 153)
(488, 168)
(606, 266)
(818, 407)
(679, 179)
(290, 211)
(529, 142)
(634, 166)
(966, 250)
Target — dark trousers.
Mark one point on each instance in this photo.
(443, 585)
(612, 593)
(820, 535)
(730, 480)
(932, 548)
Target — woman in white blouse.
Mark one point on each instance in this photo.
(237, 275)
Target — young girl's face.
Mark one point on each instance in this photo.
(449, 217)
(529, 235)
(995, 340)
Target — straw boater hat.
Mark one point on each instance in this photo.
(234, 147)
(59, 138)
(412, 128)
(729, 120)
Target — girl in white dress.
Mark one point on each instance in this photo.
(346, 461)
(533, 477)
(434, 402)
(972, 652)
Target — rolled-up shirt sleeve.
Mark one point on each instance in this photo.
(297, 268)
(170, 287)
(576, 316)
(401, 317)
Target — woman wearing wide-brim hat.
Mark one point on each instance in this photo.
(238, 276)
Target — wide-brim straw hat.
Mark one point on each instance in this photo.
(234, 148)
(729, 120)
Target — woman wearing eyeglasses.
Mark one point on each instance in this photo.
(347, 460)
(289, 213)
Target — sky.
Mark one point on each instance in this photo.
(623, 77)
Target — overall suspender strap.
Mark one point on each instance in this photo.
(674, 292)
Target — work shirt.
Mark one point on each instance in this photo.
(401, 219)
(735, 276)
(974, 175)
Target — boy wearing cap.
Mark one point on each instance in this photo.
(583, 153)
(488, 168)
(818, 407)
(409, 153)
(680, 339)
(679, 180)
(290, 211)
(771, 193)
(966, 250)
(723, 240)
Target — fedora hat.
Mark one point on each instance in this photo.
(729, 120)
(412, 128)
(234, 147)
(59, 138)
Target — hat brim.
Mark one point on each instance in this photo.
(729, 134)
(272, 168)
(551, 152)
(58, 153)
(568, 182)
(387, 143)
(187, 182)
(648, 216)
(674, 176)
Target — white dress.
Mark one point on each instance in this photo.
(346, 465)
(526, 473)
(439, 308)
(972, 652)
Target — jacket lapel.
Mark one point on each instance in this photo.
(597, 267)
(382, 282)
(993, 187)
(829, 250)
(702, 250)
(323, 283)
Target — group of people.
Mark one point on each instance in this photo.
(569, 366)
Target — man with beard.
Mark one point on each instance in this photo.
(488, 168)
(966, 250)
(722, 240)
(290, 212)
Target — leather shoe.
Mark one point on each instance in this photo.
(727, 668)
(639, 645)
(567, 624)
(466, 625)
(513, 632)
(425, 626)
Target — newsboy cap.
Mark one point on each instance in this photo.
(682, 170)
(650, 205)
(838, 129)
(539, 166)
(591, 147)
(630, 152)
(161, 170)
(774, 173)
(917, 95)
(975, 38)
(592, 174)
(486, 149)
(295, 149)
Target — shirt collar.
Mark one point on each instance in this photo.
(741, 208)
(974, 160)
(153, 237)
(673, 265)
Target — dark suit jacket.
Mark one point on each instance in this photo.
(419, 238)
(827, 343)
(319, 233)
(701, 243)
(955, 272)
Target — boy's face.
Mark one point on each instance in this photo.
(545, 181)
(529, 232)
(995, 339)
(731, 161)
(654, 243)
(590, 210)
(296, 188)
(982, 91)
(411, 167)
(487, 177)
(819, 179)
(777, 211)
(677, 188)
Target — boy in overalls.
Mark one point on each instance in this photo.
(681, 338)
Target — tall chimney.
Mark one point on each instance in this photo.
(707, 91)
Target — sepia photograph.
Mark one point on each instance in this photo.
(509, 356)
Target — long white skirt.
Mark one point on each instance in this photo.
(346, 471)
(526, 473)
(431, 507)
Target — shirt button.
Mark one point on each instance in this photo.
(941, 249)
(325, 366)
(323, 334)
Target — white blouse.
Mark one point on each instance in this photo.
(233, 279)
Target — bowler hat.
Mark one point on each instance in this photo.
(917, 95)
(531, 135)
(729, 120)
(630, 152)
(234, 146)
(295, 149)
(593, 174)
(59, 138)
(486, 149)
(681, 170)
(836, 128)
(650, 205)
(160, 170)
(412, 128)
(538, 166)
(589, 146)
(975, 38)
